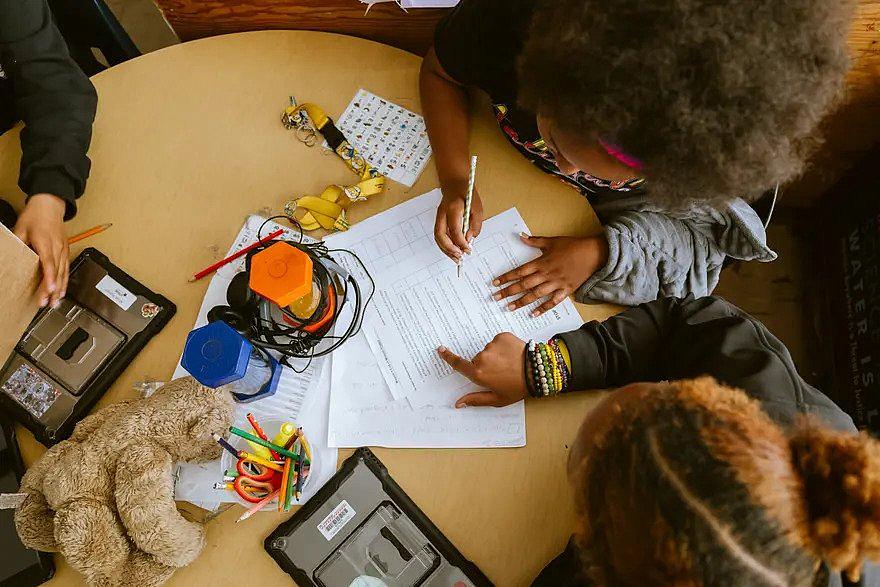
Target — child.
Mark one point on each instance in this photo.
(682, 481)
(663, 114)
(41, 85)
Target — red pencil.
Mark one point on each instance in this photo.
(259, 430)
(234, 256)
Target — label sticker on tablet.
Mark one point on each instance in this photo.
(336, 520)
(117, 294)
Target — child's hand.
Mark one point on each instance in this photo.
(565, 263)
(498, 368)
(447, 227)
(41, 227)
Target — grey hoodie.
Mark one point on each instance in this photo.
(655, 253)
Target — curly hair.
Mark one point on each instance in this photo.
(722, 496)
(718, 99)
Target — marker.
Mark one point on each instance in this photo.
(285, 433)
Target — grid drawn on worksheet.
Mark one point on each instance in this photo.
(398, 242)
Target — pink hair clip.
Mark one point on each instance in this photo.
(624, 158)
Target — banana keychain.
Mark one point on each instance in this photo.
(327, 210)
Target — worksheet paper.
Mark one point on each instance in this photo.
(303, 397)
(363, 413)
(421, 303)
(393, 139)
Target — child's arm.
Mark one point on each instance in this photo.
(445, 107)
(654, 254)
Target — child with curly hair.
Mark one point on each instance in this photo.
(667, 115)
(680, 479)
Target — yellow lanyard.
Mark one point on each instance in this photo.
(327, 210)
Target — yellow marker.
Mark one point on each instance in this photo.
(284, 434)
(260, 451)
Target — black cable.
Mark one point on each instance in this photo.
(302, 344)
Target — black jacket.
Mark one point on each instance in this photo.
(674, 338)
(45, 88)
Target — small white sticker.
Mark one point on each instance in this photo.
(336, 520)
(118, 294)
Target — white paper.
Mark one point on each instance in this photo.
(421, 303)
(393, 139)
(303, 398)
(363, 413)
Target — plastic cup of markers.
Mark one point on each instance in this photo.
(270, 426)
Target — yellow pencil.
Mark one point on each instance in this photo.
(244, 455)
(88, 233)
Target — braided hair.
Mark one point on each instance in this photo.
(713, 493)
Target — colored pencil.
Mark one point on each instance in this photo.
(90, 232)
(290, 492)
(259, 430)
(300, 475)
(305, 443)
(263, 502)
(282, 495)
(248, 436)
(222, 442)
(236, 255)
(251, 458)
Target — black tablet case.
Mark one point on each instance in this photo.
(102, 380)
(364, 456)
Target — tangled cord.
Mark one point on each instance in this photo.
(265, 330)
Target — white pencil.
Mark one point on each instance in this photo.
(466, 220)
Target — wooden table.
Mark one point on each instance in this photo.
(187, 142)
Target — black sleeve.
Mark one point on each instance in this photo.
(682, 338)
(52, 96)
(479, 41)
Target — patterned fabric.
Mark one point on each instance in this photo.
(521, 130)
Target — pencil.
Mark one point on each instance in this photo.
(222, 442)
(236, 255)
(248, 436)
(469, 198)
(259, 430)
(289, 489)
(90, 232)
(246, 456)
(282, 491)
(300, 477)
(263, 502)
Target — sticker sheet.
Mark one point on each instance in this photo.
(392, 138)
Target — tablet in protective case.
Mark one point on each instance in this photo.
(70, 355)
(362, 529)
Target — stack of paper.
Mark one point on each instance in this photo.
(389, 386)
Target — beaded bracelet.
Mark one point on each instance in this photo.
(546, 370)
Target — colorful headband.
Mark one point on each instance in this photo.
(624, 158)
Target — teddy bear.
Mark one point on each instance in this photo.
(105, 497)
